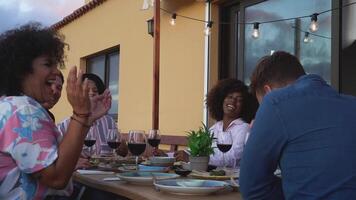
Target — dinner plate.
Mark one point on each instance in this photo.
(191, 186)
(143, 168)
(144, 178)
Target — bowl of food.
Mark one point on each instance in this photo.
(182, 172)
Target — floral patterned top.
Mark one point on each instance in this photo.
(28, 143)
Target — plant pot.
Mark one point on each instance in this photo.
(199, 163)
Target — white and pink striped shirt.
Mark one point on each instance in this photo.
(239, 132)
(99, 130)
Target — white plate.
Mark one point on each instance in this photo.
(144, 178)
(84, 171)
(191, 186)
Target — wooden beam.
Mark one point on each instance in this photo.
(156, 61)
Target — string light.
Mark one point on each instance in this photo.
(173, 19)
(306, 37)
(314, 22)
(208, 28)
(255, 34)
(256, 31)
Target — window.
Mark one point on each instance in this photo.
(348, 59)
(229, 41)
(106, 66)
(239, 52)
(315, 55)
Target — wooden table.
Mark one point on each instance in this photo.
(140, 192)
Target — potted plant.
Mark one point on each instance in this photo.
(200, 145)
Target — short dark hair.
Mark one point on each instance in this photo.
(97, 80)
(218, 93)
(279, 68)
(19, 47)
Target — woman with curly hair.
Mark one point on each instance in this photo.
(32, 155)
(233, 107)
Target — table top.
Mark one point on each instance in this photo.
(132, 191)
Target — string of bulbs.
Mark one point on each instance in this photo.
(313, 27)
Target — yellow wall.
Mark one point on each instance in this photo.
(121, 22)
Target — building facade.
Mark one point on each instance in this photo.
(109, 38)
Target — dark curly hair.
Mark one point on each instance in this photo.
(217, 94)
(19, 47)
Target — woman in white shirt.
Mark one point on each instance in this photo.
(233, 107)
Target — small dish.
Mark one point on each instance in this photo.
(145, 168)
(207, 176)
(182, 172)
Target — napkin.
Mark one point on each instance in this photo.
(84, 171)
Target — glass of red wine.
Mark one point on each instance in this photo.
(136, 143)
(224, 143)
(154, 138)
(89, 141)
(113, 139)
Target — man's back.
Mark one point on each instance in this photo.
(312, 135)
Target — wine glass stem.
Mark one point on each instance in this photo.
(224, 162)
(137, 163)
(114, 154)
(154, 151)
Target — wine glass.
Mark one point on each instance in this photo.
(154, 138)
(136, 143)
(224, 143)
(113, 139)
(89, 141)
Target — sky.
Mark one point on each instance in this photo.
(14, 13)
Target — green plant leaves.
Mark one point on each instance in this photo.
(200, 142)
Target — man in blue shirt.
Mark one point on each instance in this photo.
(303, 126)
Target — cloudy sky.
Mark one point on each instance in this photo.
(17, 12)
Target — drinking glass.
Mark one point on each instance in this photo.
(224, 143)
(113, 139)
(154, 138)
(136, 143)
(89, 141)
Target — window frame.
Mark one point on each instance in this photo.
(106, 53)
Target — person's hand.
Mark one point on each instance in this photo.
(100, 105)
(78, 92)
(83, 163)
(158, 152)
(181, 156)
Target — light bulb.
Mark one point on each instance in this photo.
(207, 31)
(173, 19)
(256, 31)
(306, 38)
(208, 28)
(314, 23)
